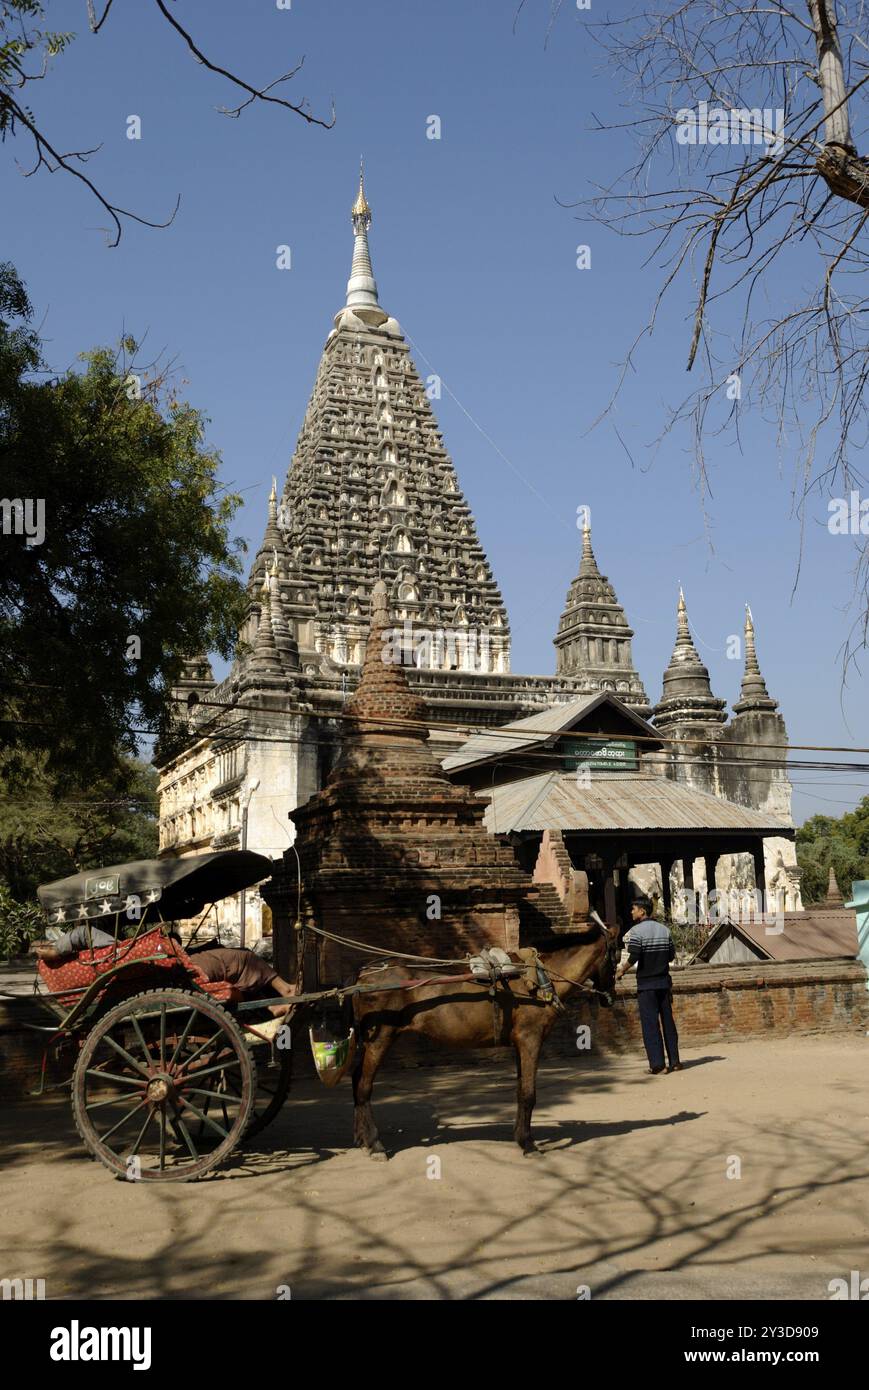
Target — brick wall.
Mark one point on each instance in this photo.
(736, 1001)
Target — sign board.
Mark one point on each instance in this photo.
(104, 886)
(612, 754)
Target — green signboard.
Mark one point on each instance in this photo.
(612, 754)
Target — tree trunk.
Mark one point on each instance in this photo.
(842, 169)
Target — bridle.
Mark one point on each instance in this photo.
(612, 954)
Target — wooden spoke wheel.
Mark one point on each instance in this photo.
(164, 1087)
(274, 1076)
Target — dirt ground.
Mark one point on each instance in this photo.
(630, 1197)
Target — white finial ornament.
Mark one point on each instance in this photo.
(362, 301)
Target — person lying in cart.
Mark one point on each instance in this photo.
(233, 964)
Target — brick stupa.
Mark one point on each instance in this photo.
(392, 853)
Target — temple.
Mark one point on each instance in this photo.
(372, 501)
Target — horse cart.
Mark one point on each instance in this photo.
(173, 1070)
(170, 1072)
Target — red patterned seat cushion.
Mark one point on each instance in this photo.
(83, 969)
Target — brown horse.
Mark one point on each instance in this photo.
(466, 1014)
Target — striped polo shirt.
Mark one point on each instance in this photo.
(650, 948)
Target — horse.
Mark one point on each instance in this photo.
(466, 1013)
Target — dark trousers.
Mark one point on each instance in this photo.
(656, 1012)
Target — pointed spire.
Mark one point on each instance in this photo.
(588, 564)
(684, 650)
(362, 287)
(753, 693)
(593, 642)
(288, 647)
(383, 693)
(687, 696)
(265, 659)
(272, 540)
(834, 896)
(331, 544)
(361, 212)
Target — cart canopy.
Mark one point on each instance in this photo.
(170, 888)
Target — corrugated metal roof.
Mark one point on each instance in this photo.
(531, 730)
(811, 935)
(617, 801)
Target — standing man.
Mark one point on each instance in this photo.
(650, 949)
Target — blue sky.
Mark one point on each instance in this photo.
(477, 260)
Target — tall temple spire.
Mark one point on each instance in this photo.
(372, 494)
(687, 696)
(362, 287)
(753, 693)
(593, 643)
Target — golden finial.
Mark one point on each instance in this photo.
(360, 207)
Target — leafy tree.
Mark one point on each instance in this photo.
(26, 50)
(20, 923)
(131, 568)
(45, 835)
(842, 843)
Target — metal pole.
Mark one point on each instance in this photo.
(243, 905)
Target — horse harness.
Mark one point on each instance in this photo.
(497, 968)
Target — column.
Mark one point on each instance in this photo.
(710, 861)
(759, 868)
(624, 900)
(665, 865)
(609, 895)
(690, 899)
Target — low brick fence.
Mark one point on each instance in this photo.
(751, 1000)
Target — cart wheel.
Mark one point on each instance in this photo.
(164, 1087)
(273, 1086)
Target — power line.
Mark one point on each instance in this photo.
(782, 764)
(467, 730)
(478, 731)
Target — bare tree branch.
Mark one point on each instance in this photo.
(256, 94)
(16, 41)
(785, 83)
(45, 153)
